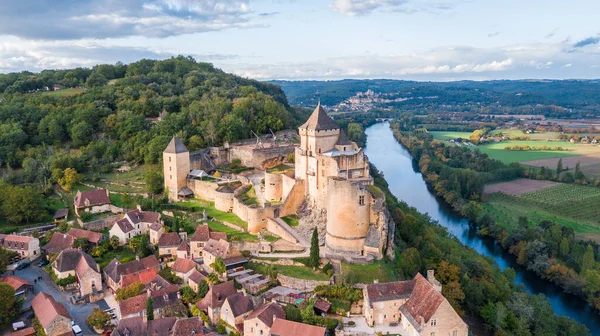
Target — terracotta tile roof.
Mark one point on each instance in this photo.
(133, 305)
(240, 304)
(61, 213)
(203, 233)
(390, 290)
(14, 281)
(217, 294)
(91, 197)
(132, 326)
(196, 277)
(91, 236)
(150, 262)
(266, 312)
(15, 242)
(169, 239)
(160, 327)
(116, 270)
(183, 265)
(322, 305)
(47, 309)
(184, 246)
(423, 302)
(319, 120)
(23, 332)
(145, 276)
(185, 327)
(283, 327)
(218, 248)
(59, 242)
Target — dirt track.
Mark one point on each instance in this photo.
(518, 187)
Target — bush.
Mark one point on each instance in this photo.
(99, 319)
(352, 323)
(86, 216)
(220, 329)
(331, 323)
(130, 291)
(66, 281)
(328, 269)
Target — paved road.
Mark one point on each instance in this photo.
(79, 313)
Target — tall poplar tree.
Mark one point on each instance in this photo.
(314, 249)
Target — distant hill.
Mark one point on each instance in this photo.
(571, 94)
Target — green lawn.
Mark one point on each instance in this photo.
(380, 270)
(301, 272)
(446, 135)
(65, 92)
(132, 181)
(511, 133)
(231, 233)
(122, 253)
(497, 151)
(249, 197)
(197, 205)
(291, 220)
(280, 169)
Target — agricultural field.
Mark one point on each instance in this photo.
(65, 92)
(518, 187)
(570, 205)
(132, 181)
(497, 151)
(446, 135)
(590, 163)
(511, 133)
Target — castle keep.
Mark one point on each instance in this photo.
(329, 176)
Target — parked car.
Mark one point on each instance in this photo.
(23, 266)
(43, 263)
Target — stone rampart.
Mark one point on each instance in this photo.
(304, 285)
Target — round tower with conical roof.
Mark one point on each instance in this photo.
(176, 166)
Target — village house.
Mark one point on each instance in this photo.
(213, 250)
(213, 301)
(53, 316)
(145, 277)
(19, 284)
(201, 236)
(417, 305)
(92, 201)
(81, 265)
(62, 241)
(92, 237)
(194, 279)
(114, 272)
(161, 299)
(283, 327)
(183, 268)
(60, 215)
(168, 244)
(138, 222)
(260, 321)
(235, 309)
(135, 326)
(190, 326)
(25, 246)
(183, 250)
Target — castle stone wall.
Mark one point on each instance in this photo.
(224, 201)
(283, 232)
(287, 184)
(205, 190)
(176, 168)
(273, 187)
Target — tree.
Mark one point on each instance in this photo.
(114, 242)
(10, 305)
(564, 247)
(70, 178)
(314, 258)
(5, 257)
(219, 266)
(292, 313)
(99, 319)
(149, 309)
(410, 262)
(82, 244)
(130, 291)
(357, 134)
(96, 79)
(588, 259)
(202, 288)
(578, 173)
(134, 244)
(559, 167)
(21, 204)
(154, 182)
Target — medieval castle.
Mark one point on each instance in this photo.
(328, 175)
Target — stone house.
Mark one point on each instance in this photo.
(190, 326)
(53, 316)
(81, 265)
(25, 246)
(114, 272)
(17, 283)
(92, 237)
(183, 268)
(283, 327)
(145, 277)
(161, 299)
(194, 280)
(169, 243)
(137, 222)
(235, 310)
(213, 301)
(135, 326)
(183, 250)
(214, 249)
(417, 305)
(92, 201)
(201, 236)
(62, 241)
(260, 321)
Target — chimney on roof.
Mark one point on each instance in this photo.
(166, 296)
(139, 207)
(422, 322)
(137, 257)
(433, 281)
(274, 317)
(148, 292)
(179, 295)
(375, 281)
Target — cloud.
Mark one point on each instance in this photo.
(587, 41)
(100, 19)
(494, 34)
(552, 33)
(365, 7)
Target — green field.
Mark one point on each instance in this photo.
(291, 220)
(570, 205)
(235, 234)
(65, 92)
(197, 205)
(300, 272)
(497, 151)
(445, 135)
(511, 133)
(379, 270)
(132, 181)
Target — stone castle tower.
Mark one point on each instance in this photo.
(176, 165)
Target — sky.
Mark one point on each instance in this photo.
(433, 40)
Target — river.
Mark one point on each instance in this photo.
(406, 182)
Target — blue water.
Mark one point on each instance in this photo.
(406, 182)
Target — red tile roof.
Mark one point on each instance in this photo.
(185, 327)
(267, 312)
(15, 242)
(93, 197)
(149, 262)
(322, 305)
(23, 332)
(196, 277)
(169, 239)
(14, 281)
(203, 233)
(47, 309)
(91, 236)
(145, 276)
(216, 295)
(424, 301)
(59, 242)
(133, 305)
(283, 327)
(183, 265)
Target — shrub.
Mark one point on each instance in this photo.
(352, 323)
(86, 216)
(99, 319)
(220, 329)
(66, 281)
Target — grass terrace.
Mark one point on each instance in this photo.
(447, 135)
(291, 220)
(237, 235)
(300, 272)
(249, 197)
(381, 270)
(122, 253)
(64, 92)
(197, 205)
(280, 169)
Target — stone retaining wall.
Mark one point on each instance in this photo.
(304, 285)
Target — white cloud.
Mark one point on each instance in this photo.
(365, 7)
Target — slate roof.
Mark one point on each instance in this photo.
(184, 246)
(169, 239)
(203, 233)
(47, 309)
(95, 197)
(196, 277)
(160, 327)
(240, 304)
(91, 236)
(182, 265)
(319, 120)
(216, 295)
(175, 146)
(343, 139)
(137, 216)
(61, 213)
(283, 327)
(124, 225)
(185, 327)
(77, 260)
(132, 326)
(218, 248)
(59, 242)
(267, 312)
(14, 281)
(390, 290)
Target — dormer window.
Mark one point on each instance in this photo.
(433, 322)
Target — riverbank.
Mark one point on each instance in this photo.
(406, 183)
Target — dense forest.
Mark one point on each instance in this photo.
(104, 114)
(553, 98)
(473, 284)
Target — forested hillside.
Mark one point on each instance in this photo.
(101, 114)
